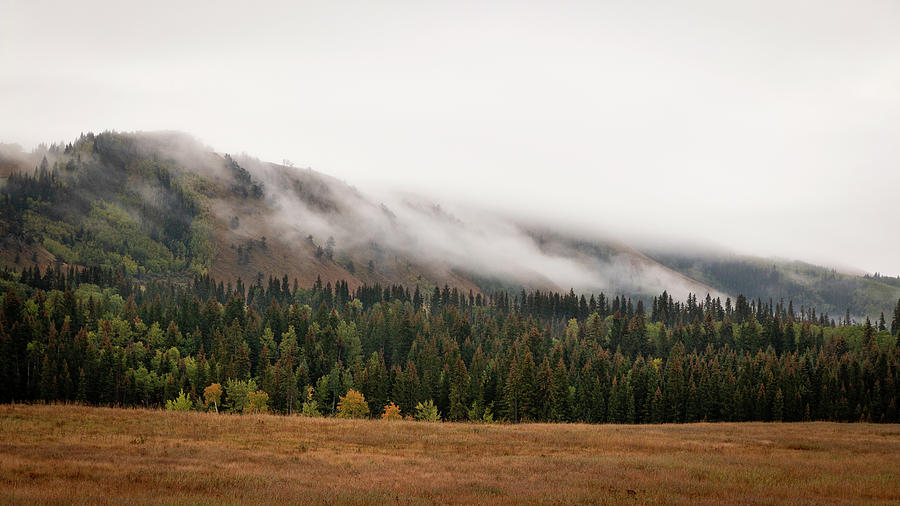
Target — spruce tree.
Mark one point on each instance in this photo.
(48, 379)
(560, 408)
(459, 384)
(81, 396)
(8, 378)
(657, 407)
(895, 323)
(868, 334)
(778, 407)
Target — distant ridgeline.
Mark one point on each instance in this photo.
(95, 336)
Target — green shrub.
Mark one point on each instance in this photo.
(427, 412)
(180, 403)
(310, 408)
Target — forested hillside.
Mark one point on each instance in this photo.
(106, 201)
(832, 291)
(147, 270)
(95, 336)
(163, 207)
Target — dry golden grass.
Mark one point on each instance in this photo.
(54, 454)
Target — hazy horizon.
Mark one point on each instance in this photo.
(765, 130)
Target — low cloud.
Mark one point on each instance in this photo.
(456, 237)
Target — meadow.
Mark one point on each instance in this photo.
(68, 453)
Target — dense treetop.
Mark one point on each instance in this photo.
(95, 336)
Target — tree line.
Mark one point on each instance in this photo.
(98, 336)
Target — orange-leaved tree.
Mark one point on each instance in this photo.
(213, 395)
(391, 412)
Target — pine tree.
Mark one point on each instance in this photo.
(48, 379)
(173, 336)
(636, 337)
(82, 387)
(778, 407)
(621, 401)
(289, 357)
(675, 392)
(560, 402)
(374, 383)
(545, 387)
(406, 388)
(868, 334)
(615, 412)
(895, 322)
(694, 409)
(521, 389)
(241, 361)
(8, 379)
(657, 407)
(459, 384)
(761, 409)
(66, 385)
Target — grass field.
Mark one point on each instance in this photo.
(51, 454)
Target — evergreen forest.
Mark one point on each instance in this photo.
(95, 336)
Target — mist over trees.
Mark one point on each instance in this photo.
(164, 206)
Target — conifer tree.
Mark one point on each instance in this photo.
(778, 407)
(48, 379)
(289, 358)
(657, 407)
(459, 385)
(521, 389)
(868, 334)
(8, 379)
(895, 322)
(81, 395)
(560, 400)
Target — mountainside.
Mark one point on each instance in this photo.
(825, 289)
(162, 205)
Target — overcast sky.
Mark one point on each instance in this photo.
(769, 127)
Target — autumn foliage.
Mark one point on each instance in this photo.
(352, 405)
(391, 412)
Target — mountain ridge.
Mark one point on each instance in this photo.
(161, 204)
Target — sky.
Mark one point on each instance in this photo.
(769, 128)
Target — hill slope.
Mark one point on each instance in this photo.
(825, 289)
(162, 205)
